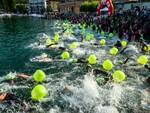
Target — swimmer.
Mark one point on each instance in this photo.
(95, 44)
(82, 39)
(68, 88)
(50, 45)
(82, 60)
(147, 66)
(11, 97)
(60, 48)
(99, 71)
(129, 50)
(42, 58)
(117, 44)
(143, 44)
(126, 60)
(24, 76)
(148, 80)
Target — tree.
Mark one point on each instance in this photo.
(49, 8)
(9, 5)
(5, 5)
(22, 1)
(12, 5)
(21, 8)
(89, 6)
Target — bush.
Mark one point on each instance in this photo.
(89, 6)
(21, 8)
(84, 7)
(9, 5)
(49, 8)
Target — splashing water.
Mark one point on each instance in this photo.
(90, 97)
(72, 89)
(83, 97)
(105, 109)
(36, 46)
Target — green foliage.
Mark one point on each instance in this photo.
(49, 8)
(89, 6)
(94, 6)
(84, 7)
(0, 4)
(21, 8)
(21, 1)
(12, 5)
(9, 5)
(5, 5)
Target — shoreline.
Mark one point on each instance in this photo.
(21, 15)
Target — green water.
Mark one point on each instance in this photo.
(15, 34)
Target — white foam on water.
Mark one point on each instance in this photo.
(84, 96)
(72, 38)
(5, 15)
(40, 43)
(61, 44)
(131, 50)
(115, 94)
(101, 55)
(105, 109)
(92, 97)
(42, 58)
(35, 59)
(90, 87)
(145, 100)
(36, 46)
(79, 52)
(53, 110)
(88, 97)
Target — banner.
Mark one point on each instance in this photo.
(109, 5)
(100, 6)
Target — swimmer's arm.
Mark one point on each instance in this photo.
(99, 71)
(125, 62)
(47, 46)
(62, 48)
(122, 50)
(81, 60)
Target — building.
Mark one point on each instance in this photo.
(40, 6)
(126, 1)
(127, 4)
(124, 4)
(37, 6)
(70, 6)
(53, 4)
(61, 6)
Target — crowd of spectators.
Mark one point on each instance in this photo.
(133, 24)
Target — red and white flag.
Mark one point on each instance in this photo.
(100, 6)
(109, 6)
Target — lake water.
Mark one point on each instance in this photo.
(15, 34)
(72, 88)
